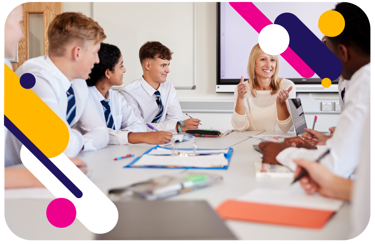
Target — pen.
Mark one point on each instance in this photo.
(191, 117)
(304, 172)
(313, 126)
(151, 127)
(126, 156)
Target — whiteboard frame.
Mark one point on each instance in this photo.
(193, 86)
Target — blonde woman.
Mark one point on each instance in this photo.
(261, 102)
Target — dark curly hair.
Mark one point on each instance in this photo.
(109, 56)
(357, 28)
(154, 50)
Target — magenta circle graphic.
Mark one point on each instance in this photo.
(61, 212)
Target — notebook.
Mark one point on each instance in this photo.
(272, 170)
(298, 116)
(283, 207)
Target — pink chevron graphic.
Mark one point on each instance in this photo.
(258, 21)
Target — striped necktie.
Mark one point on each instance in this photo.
(343, 95)
(71, 109)
(108, 114)
(160, 105)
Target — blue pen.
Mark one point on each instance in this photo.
(151, 127)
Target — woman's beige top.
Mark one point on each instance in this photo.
(261, 111)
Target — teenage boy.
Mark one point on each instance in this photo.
(153, 96)
(18, 177)
(352, 47)
(74, 41)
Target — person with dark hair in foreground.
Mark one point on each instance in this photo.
(352, 47)
(152, 96)
(124, 126)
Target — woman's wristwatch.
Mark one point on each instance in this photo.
(179, 124)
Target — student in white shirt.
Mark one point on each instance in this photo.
(74, 42)
(261, 102)
(153, 96)
(124, 126)
(320, 179)
(352, 47)
(19, 177)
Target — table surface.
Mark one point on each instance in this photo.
(26, 217)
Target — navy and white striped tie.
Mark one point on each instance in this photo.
(108, 114)
(343, 95)
(161, 107)
(71, 109)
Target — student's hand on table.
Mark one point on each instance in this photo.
(318, 138)
(242, 89)
(160, 137)
(190, 124)
(80, 164)
(270, 150)
(283, 95)
(299, 142)
(318, 178)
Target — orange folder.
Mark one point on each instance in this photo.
(274, 214)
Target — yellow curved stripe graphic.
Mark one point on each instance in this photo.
(33, 117)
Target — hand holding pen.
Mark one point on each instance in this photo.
(303, 172)
(193, 119)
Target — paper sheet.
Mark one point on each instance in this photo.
(159, 151)
(217, 160)
(39, 193)
(290, 198)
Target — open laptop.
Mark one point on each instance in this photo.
(167, 220)
(298, 116)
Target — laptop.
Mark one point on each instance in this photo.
(298, 116)
(167, 220)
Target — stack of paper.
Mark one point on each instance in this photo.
(204, 161)
(281, 207)
(162, 151)
(272, 170)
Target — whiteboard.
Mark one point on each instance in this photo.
(130, 25)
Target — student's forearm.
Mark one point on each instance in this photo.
(240, 106)
(140, 137)
(282, 111)
(20, 178)
(342, 188)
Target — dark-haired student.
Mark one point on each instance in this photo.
(352, 48)
(124, 125)
(152, 96)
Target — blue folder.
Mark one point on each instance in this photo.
(227, 155)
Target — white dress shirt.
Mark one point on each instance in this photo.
(341, 87)
(360, 214)
(261, 111)
(51, 86)
(140, 95)
(123, 115)
(346, 142)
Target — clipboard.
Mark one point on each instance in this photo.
(228, 156)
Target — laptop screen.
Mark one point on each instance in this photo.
(298, 115)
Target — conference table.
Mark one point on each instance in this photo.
(26, 215)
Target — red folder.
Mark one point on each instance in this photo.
(274, 214)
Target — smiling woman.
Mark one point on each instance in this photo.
(260, 102)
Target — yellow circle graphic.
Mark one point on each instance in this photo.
(326, 82)
(331, 23)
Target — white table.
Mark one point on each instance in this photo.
(26, 217)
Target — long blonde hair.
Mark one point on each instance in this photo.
(251, 72)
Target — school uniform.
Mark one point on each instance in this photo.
(70, 101)
(160, 107)
(346, 142)
(119, 117)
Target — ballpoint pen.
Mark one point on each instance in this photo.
(313, 126)
(151, 127)
(304, 172)
(191, 117)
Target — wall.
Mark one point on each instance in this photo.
(206, 68)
